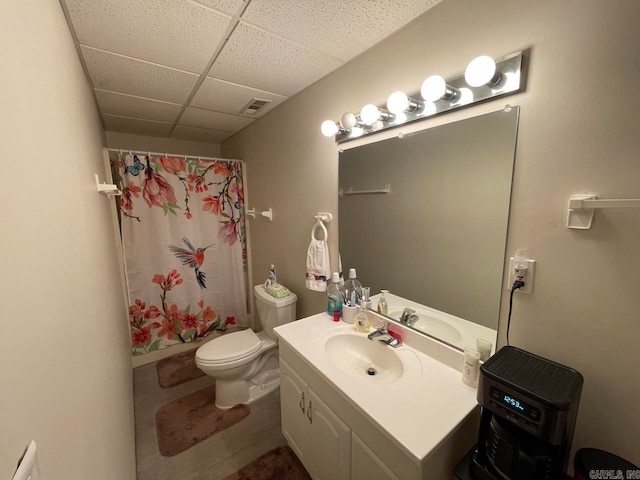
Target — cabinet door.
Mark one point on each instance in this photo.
(294, 399)
(330, 442)
(365, 465)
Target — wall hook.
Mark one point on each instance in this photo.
(107, 189)
(251, 212)
(268, 214)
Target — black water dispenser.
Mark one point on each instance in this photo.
(529, 408)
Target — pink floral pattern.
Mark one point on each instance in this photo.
(176, 323)
(207, 200)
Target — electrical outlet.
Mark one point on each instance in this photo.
(528, 282)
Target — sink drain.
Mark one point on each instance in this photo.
(371, 371)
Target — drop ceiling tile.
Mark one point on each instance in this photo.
(227, 97)
(129, 106)
(339, 28)
(126, 75)
(230, 7)
(173, 33)
(197, 134)
(258, 59)
(197, 117)
(136, 126)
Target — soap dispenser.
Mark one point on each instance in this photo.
(383, 307)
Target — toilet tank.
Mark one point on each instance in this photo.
(272, 311)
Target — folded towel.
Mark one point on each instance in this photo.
(318, 262)
(277, 291)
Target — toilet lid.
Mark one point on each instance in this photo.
(231, 346)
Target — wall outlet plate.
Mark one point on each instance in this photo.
(531, 274)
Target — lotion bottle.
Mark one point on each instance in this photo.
(361, 322)
(471, 367)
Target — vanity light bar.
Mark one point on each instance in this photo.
(484, 79)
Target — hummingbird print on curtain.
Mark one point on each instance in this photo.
(182, 218)
(191, 257)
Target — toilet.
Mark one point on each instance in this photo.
(245, 364)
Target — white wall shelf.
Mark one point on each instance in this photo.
(582, 208)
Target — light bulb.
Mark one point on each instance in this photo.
(480, 71)
(348, 120)
(398, 102)
(433, 88)
(329, 128)
(369, 114)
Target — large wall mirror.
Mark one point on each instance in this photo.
(437, 239)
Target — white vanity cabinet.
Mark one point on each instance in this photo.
(337, 440)
(365, 465)
(315, 433)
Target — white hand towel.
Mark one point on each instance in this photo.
(318, 261)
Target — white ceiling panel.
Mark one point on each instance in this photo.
(258, 59)
(136, 126)
(112, 103)
(125, 75)
(230, 7)
(227, 97)
(197, 117)
(197, 134)
(174, 33)
(339, 28)
(145, 57)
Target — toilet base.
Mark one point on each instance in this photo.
(232, 392)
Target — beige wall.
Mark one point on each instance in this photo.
(578, 132)
(64, 349)
(127, 141)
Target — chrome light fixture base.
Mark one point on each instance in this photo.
(508, 70)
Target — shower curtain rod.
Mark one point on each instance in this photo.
(145, 152)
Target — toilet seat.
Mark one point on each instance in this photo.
(229, 348)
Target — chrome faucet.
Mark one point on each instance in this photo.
(409, 316)
(382, 334)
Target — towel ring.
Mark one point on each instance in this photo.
(319, 223)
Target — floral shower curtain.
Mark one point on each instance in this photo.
(184, 242)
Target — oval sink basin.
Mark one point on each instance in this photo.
(433, 326)
(360, 357)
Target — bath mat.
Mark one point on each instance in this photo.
(278, 464)
(178, 369)
(183, 423)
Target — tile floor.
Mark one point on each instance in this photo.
(212, 459)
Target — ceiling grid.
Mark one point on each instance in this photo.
(187, 69)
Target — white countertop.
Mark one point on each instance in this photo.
(416, 413)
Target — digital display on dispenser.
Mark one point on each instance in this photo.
(515, 404)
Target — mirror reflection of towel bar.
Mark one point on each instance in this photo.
(351, 191)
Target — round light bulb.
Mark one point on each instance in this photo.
(369, 114)
(480, 71)
(433, 88)
(329, 128)
(398, 102)
(348, 120)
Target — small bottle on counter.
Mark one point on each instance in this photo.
(471, 367)
(335, 295)
(361, 322)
